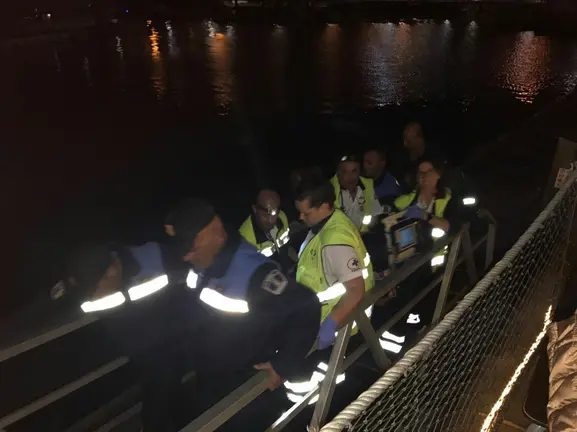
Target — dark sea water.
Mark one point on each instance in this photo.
(100, 131)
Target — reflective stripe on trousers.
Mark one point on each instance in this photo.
(296, 391)
(391, 342)
(439, 259)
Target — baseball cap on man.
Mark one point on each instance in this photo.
(186, 220)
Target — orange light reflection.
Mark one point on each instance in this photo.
(158, 76)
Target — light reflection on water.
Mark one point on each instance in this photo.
(527, 70)
(328, 67)
(173, 49)
(119, 48)
(220, 50)
(107, 95)
(158, 74)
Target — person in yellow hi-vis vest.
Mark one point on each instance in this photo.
(333, 260)
(267, 227)
(431, 203)
(355, 195)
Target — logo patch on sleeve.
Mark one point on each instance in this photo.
(275, 282)
(354, 264)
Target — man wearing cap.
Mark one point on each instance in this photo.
(261, 318)
(355, 195)
(142, 309)
(267, 227)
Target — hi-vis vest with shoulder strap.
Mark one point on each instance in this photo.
(368, 187)
(267, 248)
(242, 267)
(339, 230)
(439, 206)
(150, 279)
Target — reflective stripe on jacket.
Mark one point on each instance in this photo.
(150, 279)
(244, 264)
(339, 230)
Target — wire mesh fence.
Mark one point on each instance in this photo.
(457, 384)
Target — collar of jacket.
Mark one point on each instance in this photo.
(223, 259)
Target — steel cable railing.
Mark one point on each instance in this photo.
(456, 377)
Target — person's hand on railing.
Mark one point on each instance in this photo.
(327, 333)
(274, 379)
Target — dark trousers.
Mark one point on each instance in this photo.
(162, 358)
(376, 244)
(224, 358)
(230, 349)
(403, 294)
(161, 371)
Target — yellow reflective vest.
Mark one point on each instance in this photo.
(267, 248)
(369, 193)
(338, 230)
(439, 207)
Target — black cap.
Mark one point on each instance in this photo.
(187, 219)
(87, 265)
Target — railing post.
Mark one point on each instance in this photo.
(447, 278)
(469, 256)
(491, 233)
(372, 339)
(329, 383)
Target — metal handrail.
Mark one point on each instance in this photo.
(41, 339)
(63, 391)
(238, 399)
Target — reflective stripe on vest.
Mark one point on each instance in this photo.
(338, 230)
(338, 289)
(240, 270)
(266, 248)
(369, 192)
